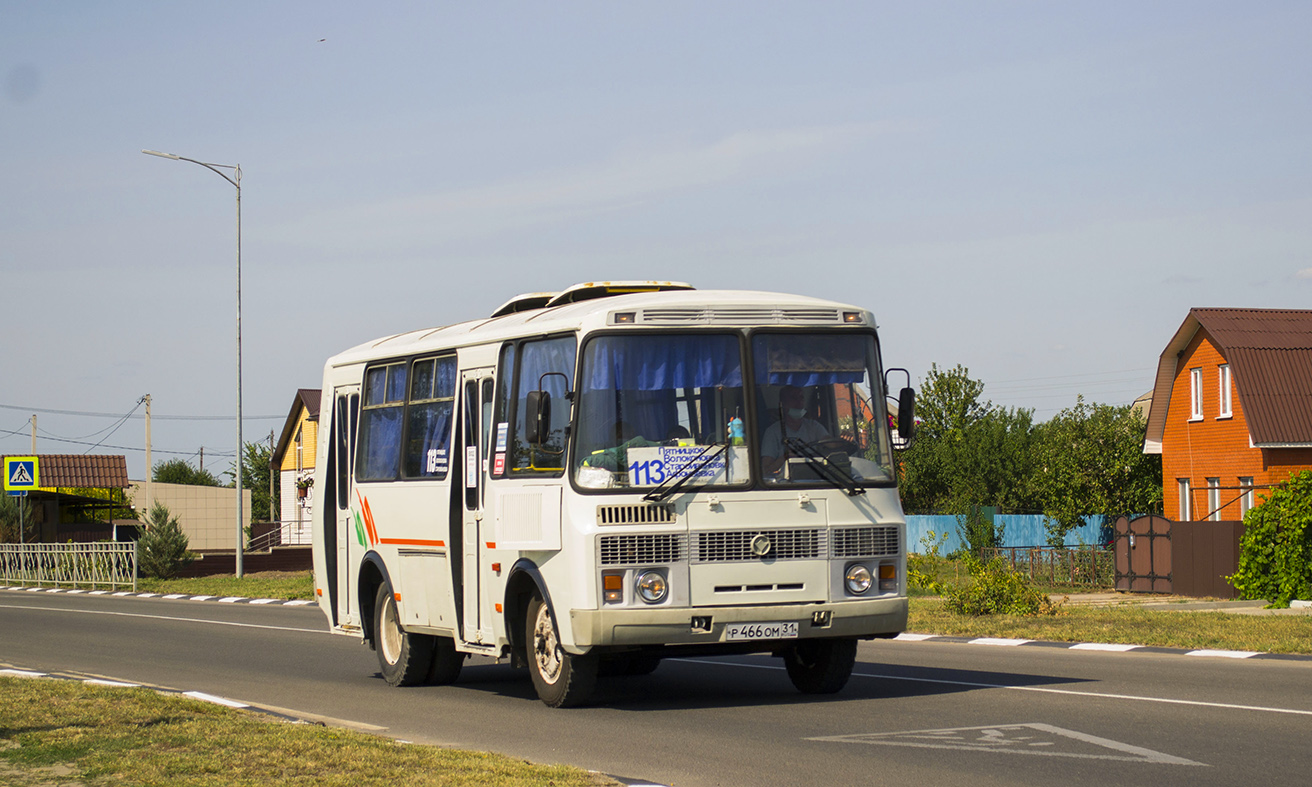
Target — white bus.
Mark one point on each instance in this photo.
(592, 480)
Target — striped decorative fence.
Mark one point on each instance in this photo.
(105, 564)
(1090, 566)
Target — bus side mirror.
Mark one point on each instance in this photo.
(538, 420)
(906, 414)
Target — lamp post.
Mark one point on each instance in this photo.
(235, 181)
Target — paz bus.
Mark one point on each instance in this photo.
(589, 481)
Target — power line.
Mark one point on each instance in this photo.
(139, 417)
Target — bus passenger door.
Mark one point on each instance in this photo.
(475, 417)
(343, 557)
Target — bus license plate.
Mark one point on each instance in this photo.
(742, 631)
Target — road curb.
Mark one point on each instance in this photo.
(1106, 647)
(275, 602)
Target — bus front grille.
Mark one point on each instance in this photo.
(642, 549)
(865, 541)
(738, 545)
(640, 514)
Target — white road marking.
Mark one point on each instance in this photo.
(1049, 741)
(995, 641)
(203, 598)
(1102, 646)
(264, 600)
(1037, 689)
(1222, 654)
(203, 697)
(231, 599)
(166, 617)
(907, 636)
(173, 596)
(300, 603)
(22, 673)
(118, 684)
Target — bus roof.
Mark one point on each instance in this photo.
(673, 308)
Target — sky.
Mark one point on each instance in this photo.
(1036, 191)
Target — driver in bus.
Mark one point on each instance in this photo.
(792, 423)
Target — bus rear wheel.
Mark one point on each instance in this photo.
(561, 679)
(820, 666)
(404, 658)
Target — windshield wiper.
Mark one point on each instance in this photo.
(827, 470)
(673, 484)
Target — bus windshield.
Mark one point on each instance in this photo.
(658, 408)
(655, 407)
(820, 407)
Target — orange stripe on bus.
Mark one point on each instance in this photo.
(414, 542)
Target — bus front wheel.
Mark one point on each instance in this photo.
(820, 666)
(404, 658)
(561, 679)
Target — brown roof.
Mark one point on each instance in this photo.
(1270, 356)
(79, 470)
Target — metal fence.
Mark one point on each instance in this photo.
(1087, 566)
(106, 564)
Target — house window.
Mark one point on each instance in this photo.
(1246, 499)
(1186, 510)
(1214, 499)
(1224, 370)
(1196, 394)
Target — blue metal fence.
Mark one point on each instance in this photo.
(1019, 530)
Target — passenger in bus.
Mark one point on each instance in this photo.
(792, 423)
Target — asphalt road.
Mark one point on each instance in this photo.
(914, 712)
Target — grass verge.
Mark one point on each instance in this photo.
(263, 584)
(1125, 624)
(66, 732)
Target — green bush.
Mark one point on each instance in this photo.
(923, 568)
(1275, 553)
(995, 588)
(162, 548)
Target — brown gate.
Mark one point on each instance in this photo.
(1156, 555)
(1143, 554)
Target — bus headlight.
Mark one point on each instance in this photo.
(652, 587)
(858, 579)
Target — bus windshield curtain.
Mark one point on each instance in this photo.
(662, 363)
(810, 360)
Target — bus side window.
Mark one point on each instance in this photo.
(546, 365)
(380, 423)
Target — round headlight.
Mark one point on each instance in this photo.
(858, 579)
(651, 586)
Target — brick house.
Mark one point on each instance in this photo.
(293, 462)
(1231, 410)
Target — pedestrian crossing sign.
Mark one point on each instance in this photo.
(22, 473)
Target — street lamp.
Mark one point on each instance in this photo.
(235, 181)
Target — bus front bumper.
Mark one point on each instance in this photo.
(706, 625)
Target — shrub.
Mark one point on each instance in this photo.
(995, 588)
(1275, 552)
(162, 548)
(923, 568)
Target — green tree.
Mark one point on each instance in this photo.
(9, 520)
(179, 471)
(967, 452)
(255, 472)
(1089, 459)
(1275, 552)
(162, 548)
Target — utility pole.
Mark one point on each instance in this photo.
(272, 500)
(202, 458)
(150, 470)
(34, 434)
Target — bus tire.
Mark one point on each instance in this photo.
(404, 658)
(561, 679)
(447, 662)
(820, 666)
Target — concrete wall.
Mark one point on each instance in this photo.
(208, 514)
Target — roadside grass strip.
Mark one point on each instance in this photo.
(75, 730)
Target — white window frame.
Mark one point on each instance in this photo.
(1196, 394)
(1246, 499)
(1223, 372)
(1214, 499)
(1186, 505)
